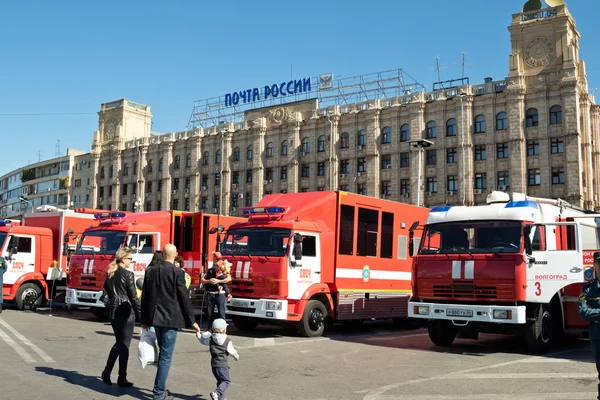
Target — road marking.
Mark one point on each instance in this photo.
(495, 396)
(533, 375)
(23, 339)
(21, 351)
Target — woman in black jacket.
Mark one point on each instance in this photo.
(124, 307)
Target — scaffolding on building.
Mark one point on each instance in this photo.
(328, 91)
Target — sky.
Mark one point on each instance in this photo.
(61, 60)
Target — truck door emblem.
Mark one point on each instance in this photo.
(575, 270)
(588, 273)
(88, 267)
(463, 269)
(366, 273)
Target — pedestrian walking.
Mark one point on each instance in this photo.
(220, 347)
(167, 308)
(124, 308)
(214, 297)
(3, 268)
(589, 309)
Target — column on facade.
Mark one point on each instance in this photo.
(294, 125)
(595, 135)
(517, 147)
(166, 152)
(574, 182)
(225, 201)
(371, 152)
(96, 181)
(259, 130)
(195, 179)
(334, 158)
(466, 158)
(416, 115)
(142, 154)
(538, 98)
(586, 150)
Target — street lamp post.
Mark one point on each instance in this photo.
(419, 144)
(27, 201)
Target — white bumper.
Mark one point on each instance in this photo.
(468, 313)
(85, 298)
(261, 308)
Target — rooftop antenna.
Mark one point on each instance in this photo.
(462, 63)
(57, 148)
(39, 155)
(438, 68)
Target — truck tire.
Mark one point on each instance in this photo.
(312, 323)
(442, 333)
(29, 296)
(245, 324)
(539, 334)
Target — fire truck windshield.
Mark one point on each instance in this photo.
(472, 237)
(2, 238)
(101, 242)
(256, 242)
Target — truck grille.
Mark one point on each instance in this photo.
(240, 288)
(471, 291)
(242, 309)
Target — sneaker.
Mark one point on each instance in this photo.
(214, 396)
(229, 298)
(106, 378)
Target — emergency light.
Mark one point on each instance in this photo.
(5, 222)
(105, 215)
(441, 209)
(523, 203)
(263, 210)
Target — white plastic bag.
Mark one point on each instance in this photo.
(147, 351)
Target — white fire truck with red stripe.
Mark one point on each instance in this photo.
(514, 265)
(306, 258)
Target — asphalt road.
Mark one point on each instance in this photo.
(61, 357)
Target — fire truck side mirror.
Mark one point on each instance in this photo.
(297, 246)
(527, 239)
(411, 235)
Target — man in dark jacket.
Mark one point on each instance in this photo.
(166, 307)
(3, 268)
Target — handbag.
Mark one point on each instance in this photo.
(105, 298)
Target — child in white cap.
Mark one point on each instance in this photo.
(220, 348)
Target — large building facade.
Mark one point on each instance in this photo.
(535, 132)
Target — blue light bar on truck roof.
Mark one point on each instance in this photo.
(105, 215)
(263, 210)
(520, 204)
(441, 209)
(5, 222)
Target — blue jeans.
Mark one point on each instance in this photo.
(166, 338)
(213, 300)
(223, 378)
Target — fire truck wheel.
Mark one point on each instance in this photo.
(29, 296)
(539, 333)
(312, 323)
(442, 333)
(244, 324)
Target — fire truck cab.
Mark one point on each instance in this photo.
(514, 265)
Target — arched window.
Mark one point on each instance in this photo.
(236, 154)
(361, 138)
(305, 146)
(431, 130)
(205, 157)
(451, 127)
(555, 115)
(284, 148)
(160, 164)
(531, 117)
(250, 152)
(386, 135)
(480, 124)
(111, 171)
(345, 140)
(270, 149)
(501, 121)
(126, 169)
(218, 157)
(321, 143)
(101, 172)
(188, 161)
(177, 162)
(405, 133)
(150, 164)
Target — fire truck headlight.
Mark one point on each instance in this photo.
(422, 310)
(502, 314)
(272, 305)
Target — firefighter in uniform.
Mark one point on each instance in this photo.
(589, 309)
(3, 268)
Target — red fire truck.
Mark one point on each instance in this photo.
(514, 265)
(194, 234)
(37, 252)
(306, 258)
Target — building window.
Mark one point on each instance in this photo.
(451, 155)
(451, 127)
(502, 150)
(204, 203)
(234, 200)
(321, 144)
(555, 115)
(270, 150)
(361, 189)
(321, 169)
(305, 171)
(135, 166)
(159, 205)
(204, 180)
(218, 157)
(344, 188)
(305, 149)
(533, 177)
(480, 124)
(177, 162)
(248, 201)
(269, 174)
(250, 152)
(361, 138)
(501, 121)
(431, 157)
(558, 176)
(284, 148)
(217, 202)
(175, 204)
(175, 184)
(386, 135)
(404, 187)
(149, 167)
(111, 171)
(235, 178)
(148, 206)
(101, 173)
(404, 160)
(134, 189)
(432, 184)
(503, 179)
(188, 161)
(124, 189)
(361, 165)
(187, 204)
(405, 133)
(217, 179)
(481, 181)
(452, 183)
(557, 145)
(161, 164)
(249, 176)
(188, 184)
(386, 188)
(531, 117)
(205, 158)
(126, 169)
(431, 130)
(533, 147)
(386, 161)
(345, 140)
(344, 166)
(160, 185)
(283, 173)
(236, 154)
(480, 153)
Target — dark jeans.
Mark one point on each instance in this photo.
(213, 300)
(596, 353)
(123, 328)
(2, 271)
(223, 380)
(166, 338)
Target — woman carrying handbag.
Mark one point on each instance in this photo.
(124, 307)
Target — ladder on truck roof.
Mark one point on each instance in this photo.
(501, 197)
